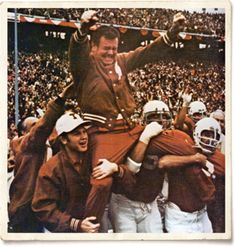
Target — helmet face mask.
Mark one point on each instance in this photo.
(209, 140)
(157, 111)
(164, 119)
(198, 116)
(207, 135)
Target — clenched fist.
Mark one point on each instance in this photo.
(88, 21)
(151, 130)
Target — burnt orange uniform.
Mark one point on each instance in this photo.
(189, 186)
(190, 125)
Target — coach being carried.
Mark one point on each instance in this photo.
(104, 94)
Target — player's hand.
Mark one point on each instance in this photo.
(105, 169)
(179, 23)
(151, 130)
(200, 159)
(186, 99)
(88, 226)
(88, 21)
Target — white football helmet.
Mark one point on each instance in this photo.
(156, 110)
(207, 135)
(197, 107)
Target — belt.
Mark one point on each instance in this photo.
(109, 123)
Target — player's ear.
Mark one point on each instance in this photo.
(63, 139)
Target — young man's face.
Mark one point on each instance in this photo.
(197, 116)
(77, 140)
(106, 51)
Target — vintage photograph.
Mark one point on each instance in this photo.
(116, 120)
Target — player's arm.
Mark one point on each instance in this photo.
(180, 117)
(137, 155)
(106, 168)
(173, 161)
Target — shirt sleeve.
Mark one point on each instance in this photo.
(37, 136)
(143, 55)
(79, 57)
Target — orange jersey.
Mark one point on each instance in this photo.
(189, 187)
(174, 142)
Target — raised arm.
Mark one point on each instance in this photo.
(37, 136)
(180, 117)
(160, 48)
(79, 47)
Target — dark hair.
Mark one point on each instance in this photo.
(107, 31)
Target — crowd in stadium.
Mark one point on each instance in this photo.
(43, 75)
(168, 79)
(206, 23)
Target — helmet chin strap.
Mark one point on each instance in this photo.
(206, 151)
